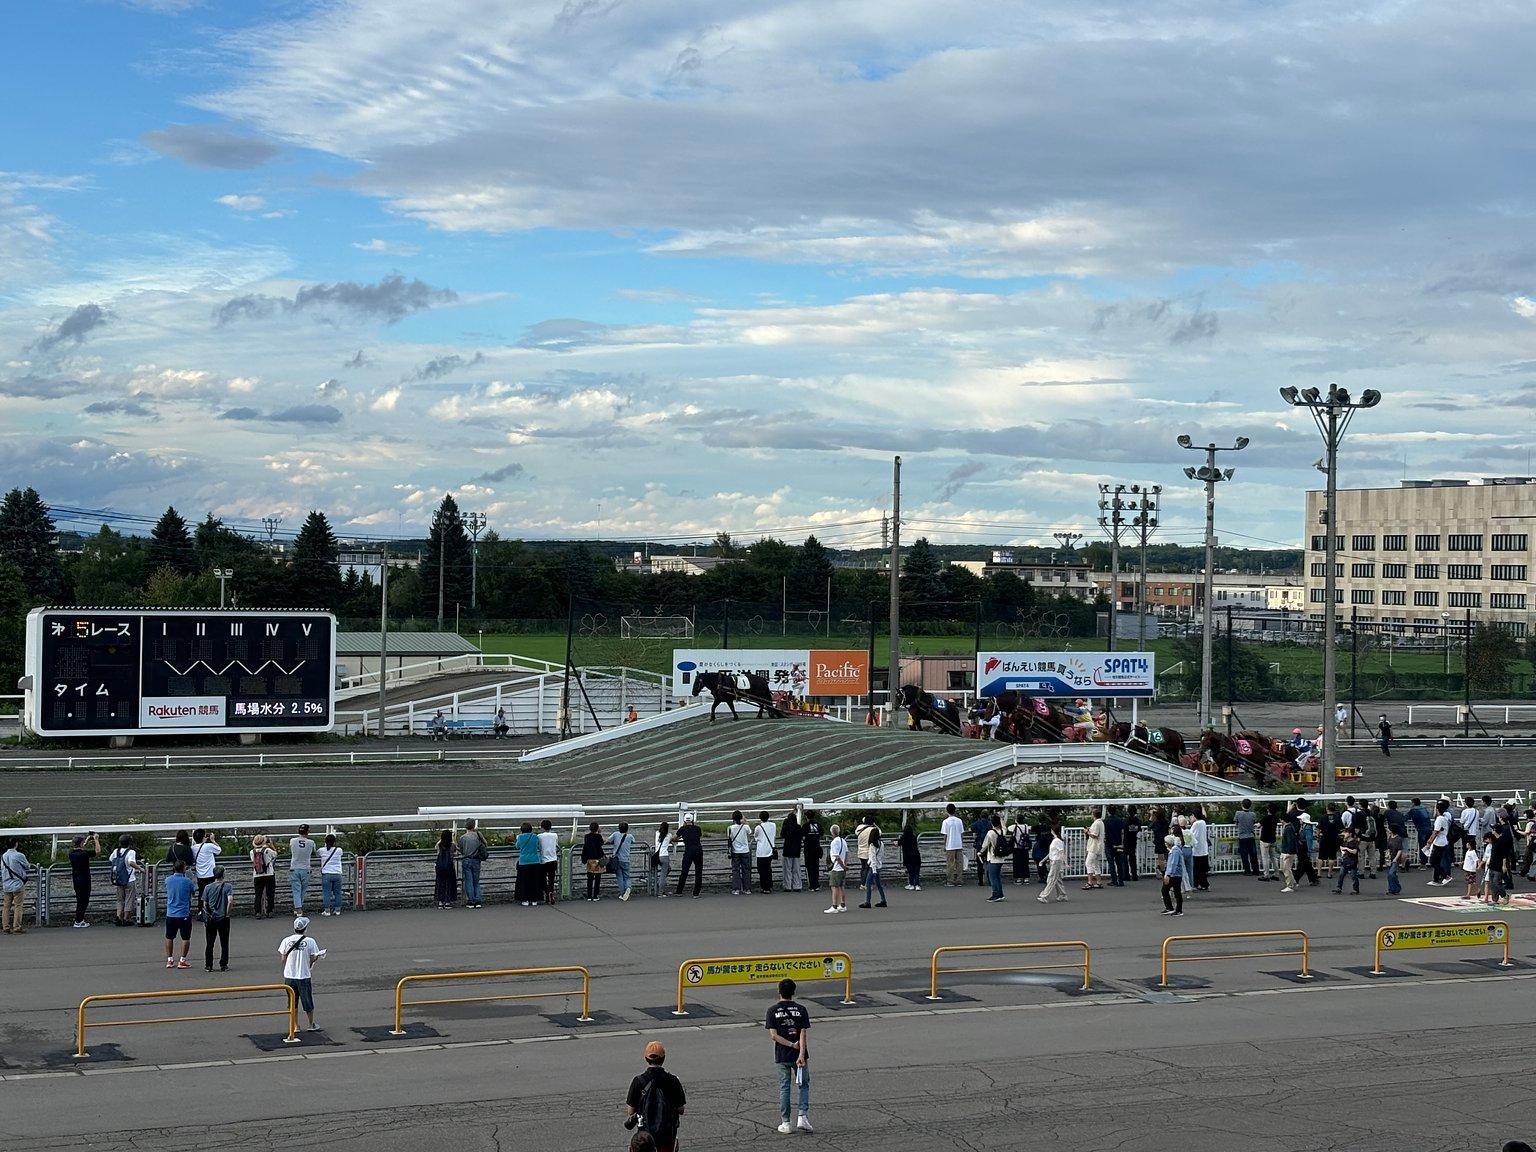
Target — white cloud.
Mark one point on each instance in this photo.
(243, 203)
(1524, 306)
(385, 401)
(387, 248)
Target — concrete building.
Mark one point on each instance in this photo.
(1179, 595)
(1069, 579)
(1423, 555)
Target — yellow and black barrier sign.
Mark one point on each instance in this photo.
(714, 971)
(1399, 937)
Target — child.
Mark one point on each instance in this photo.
(1396, 858)
(1469, 868)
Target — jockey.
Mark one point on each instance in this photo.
(993, 722)
(1300, 742)
(1082, 717)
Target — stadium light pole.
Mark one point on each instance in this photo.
(475, 522)
(1209, 475)
(1332, 414)
(222, 575)
(1112, 521)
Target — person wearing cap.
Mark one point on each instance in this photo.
(300, 953)
(301, 859)
(656, 1101)
(692, 840)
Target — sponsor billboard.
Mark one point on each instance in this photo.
(799, 671)
(1103, 674)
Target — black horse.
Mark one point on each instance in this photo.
(920, 706)
(727, 687)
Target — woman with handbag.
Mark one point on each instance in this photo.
(446, 893)
(661, 859)
(592, 858)
(876, 858)
(911, 855)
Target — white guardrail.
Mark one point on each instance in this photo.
(1481, 713)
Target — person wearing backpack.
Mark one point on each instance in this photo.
(656, 1102)
(618, 862)
(14, 868)
(264, 875)
(124, 864)
(473, 851)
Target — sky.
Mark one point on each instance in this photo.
(604, 268)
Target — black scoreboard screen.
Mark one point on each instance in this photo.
(115, 672)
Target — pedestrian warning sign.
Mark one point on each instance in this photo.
(1442, 936)
(766, 969)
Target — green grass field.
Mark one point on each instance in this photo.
(1288, 661)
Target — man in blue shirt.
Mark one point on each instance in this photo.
(178, 914)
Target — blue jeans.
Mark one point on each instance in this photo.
(786, 1082)
(471, 870)
(299, 878)
(621, 871)
(330, 892)
(1351, 870)
(995, 876)
(1393, 887)
(871, 884)
(741, 872)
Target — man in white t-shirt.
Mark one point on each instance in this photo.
(300, 952)
(953, 829)
(838, 874)
(549, 856)
(1200, 841)
(205, 854)
(764, 840)
(738, 839)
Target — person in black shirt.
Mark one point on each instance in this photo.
(789, 1024)
(80, 856)
(793, 840)
(692, 841)
(1131, 837)
(658, 1116)
(812, 851)
(1114, 847)
(1269, 822)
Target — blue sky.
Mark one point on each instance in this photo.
(609, 268)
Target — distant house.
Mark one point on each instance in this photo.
(687, 565)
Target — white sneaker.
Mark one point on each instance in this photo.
(1287, 889)
(786, 1128)
(831, 909)
(804, 1123)
(625, 896)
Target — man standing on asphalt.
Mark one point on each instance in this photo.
(205, 854)
(1131, 840)
(1384, 734)
(1247, 843)
(621, 842)
(739, 842)
(178, 915)
(656, 1101)
(1419, 816)
(693, 854)
(1200, 838)
(979, 829)
(473, 852)
(1304, 847)
(301, 858)
(789, 1026)
(1114, 844)
(954, 850)
(994, 851)
(14, 867)
(1269, 855)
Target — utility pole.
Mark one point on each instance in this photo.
(222, 575)
(1332, 414)
(895, 674)
(475, 522)
(442, 536)
(1145, 504)
(383, 631)
(1209, 475)
(270, 523)
(1112, 521)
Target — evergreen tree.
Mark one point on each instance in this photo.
(809, 572)
(28, 542)
(922, 577)
(170, 545)
(314, 575)
(13, 622)
(109, 569)
(449, 543)
(724, 546)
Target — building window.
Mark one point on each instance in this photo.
(1426, 599)
(1317, 595)
(1358, 619)
(1363, 571)
(1426, 571)
(1464, 599)
(1320, 595)
(1320, 568)
(1464, 571)
(1394, 596)
(1392, 623)
(1508, 572)
(1507, 600)
(1394, 571)
(1426, 625)
(1362, 596)
(1508, 542)
(1317, 544)
(1362, 543)
(1426, 543)
(1464, 542)
(1394, 543)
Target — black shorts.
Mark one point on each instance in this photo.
(178, 924)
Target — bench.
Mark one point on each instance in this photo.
(464, 726)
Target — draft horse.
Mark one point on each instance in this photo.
(1167, 743)
(727, 687)
(942, 714)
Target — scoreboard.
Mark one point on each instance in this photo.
(129, 671)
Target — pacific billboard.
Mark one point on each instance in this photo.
(799, 671)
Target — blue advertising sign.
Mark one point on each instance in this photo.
(1118, 675)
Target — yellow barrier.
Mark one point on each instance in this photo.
(933, 970)
(1392, 937)
(1304, 953)
(435, 977)
(292, 1011)
(715, 970)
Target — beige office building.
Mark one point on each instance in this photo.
(1419, 556)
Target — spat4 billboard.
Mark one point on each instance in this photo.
(1103, 674)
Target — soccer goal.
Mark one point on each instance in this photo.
(655, 627)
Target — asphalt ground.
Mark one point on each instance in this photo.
(1240, 1056)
